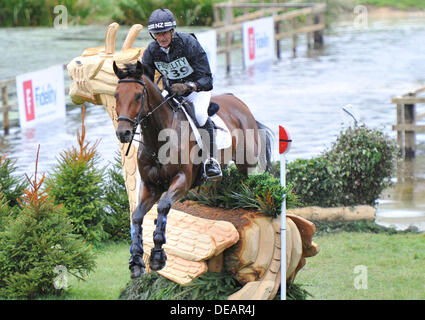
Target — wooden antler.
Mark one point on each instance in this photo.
(131, 36)
(111, 35)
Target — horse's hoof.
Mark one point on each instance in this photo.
(137, 271)
(157, 259)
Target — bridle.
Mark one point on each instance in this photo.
(140, 118)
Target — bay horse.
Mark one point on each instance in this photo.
(139, 102)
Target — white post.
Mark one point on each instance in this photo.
(283, 232)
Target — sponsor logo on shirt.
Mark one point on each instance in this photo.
(177, 69)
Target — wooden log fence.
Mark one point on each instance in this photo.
(290, 20)
(10, 104)
(406, 121)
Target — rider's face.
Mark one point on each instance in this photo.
(164, 38)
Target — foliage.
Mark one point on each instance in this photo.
(209, 286)
(5, 214)
(77, 184)
(10, 186)
(259, 192)
(35, 242)
(41, 12)
(117, 221)
(363, 160)
(312, 182)
(187, 12)
(325, 227)
(354, 171)
(294, 291)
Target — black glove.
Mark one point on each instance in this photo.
(180, 89)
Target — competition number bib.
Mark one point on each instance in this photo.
(177, 69)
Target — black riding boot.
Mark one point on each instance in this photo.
(212, 168)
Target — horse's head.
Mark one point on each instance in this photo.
(131, 99)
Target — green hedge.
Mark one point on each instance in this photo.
(356, 169)
(187, 12)
(40, 12)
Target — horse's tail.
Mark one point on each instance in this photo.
(266, 136)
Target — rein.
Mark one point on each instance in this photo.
(140, 118)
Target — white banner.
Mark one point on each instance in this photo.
(41, 95)
(208, 41)
(258, 41)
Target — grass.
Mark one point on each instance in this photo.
(109, 278)
(394, 264)
(399, 4)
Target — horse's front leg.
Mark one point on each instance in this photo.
(178, 188)
(147, 198)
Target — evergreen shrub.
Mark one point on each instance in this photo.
(355, 171)
(117, 221)
(37, 243)
(11, 186)
(262, 192)
(76, 182)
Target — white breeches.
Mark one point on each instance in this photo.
(201, 102)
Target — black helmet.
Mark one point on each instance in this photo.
(161, 20)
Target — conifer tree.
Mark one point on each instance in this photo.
(37, 243)
(76, 183)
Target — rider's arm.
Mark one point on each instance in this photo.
(199, 61)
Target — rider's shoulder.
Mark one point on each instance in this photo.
(185, 37)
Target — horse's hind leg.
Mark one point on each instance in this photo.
(136, 264)
(177, 189)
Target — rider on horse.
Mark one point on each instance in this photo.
(184, 64)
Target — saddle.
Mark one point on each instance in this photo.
(188, 106)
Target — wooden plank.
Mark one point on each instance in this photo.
(294, 14)
(7, 82)
(248, 16)
(229, 48)
(267, 5)
(305, 29)
(420, 116)
(409, 127)
(416, 91)
(400, 133)
(407, 100)
(281, 17)
(13, 107)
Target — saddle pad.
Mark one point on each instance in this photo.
(223, 138)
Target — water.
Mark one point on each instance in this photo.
(360, 70)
